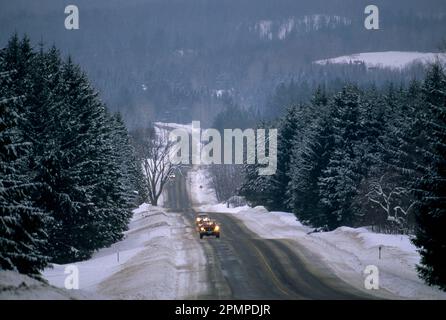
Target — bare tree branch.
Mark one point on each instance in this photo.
(154, 152)
(390, 200)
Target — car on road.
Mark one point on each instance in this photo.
(202, 217)
(209, 228)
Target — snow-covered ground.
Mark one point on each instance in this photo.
(346, 251)
(159, 258)
(386, 59)
(16, 286)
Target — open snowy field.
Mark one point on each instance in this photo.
(387, 59)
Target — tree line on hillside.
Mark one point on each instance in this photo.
(68, 177)
(169, 58)
(366, 157)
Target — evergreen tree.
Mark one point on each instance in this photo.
(256, 188)
(394, 165)
(119, 193)
(340, 180)
(21, 222)
(290, 132)
(271, 191)
(78, 157)
(431, 186)
(403, 130)
(68, 170)
(308, 161)
(80, 170)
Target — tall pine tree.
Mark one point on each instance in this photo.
(310, 157)
(340, 180)
(22, 235)
(431, 186)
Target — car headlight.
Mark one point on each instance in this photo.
(202, 229)
(217, 228)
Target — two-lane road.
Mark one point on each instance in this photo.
(244, 266)
(255, 268)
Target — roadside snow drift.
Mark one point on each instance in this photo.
(16, 286)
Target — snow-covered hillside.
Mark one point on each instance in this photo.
(346, 251)
(386, 59)
(280, 29)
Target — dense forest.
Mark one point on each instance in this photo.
(68, 177)
(183, 60)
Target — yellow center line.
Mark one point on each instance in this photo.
(276, 280)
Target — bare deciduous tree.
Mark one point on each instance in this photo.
(394, 200)
(154, 150)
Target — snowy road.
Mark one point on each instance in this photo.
(242, 265)
(255, 268)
